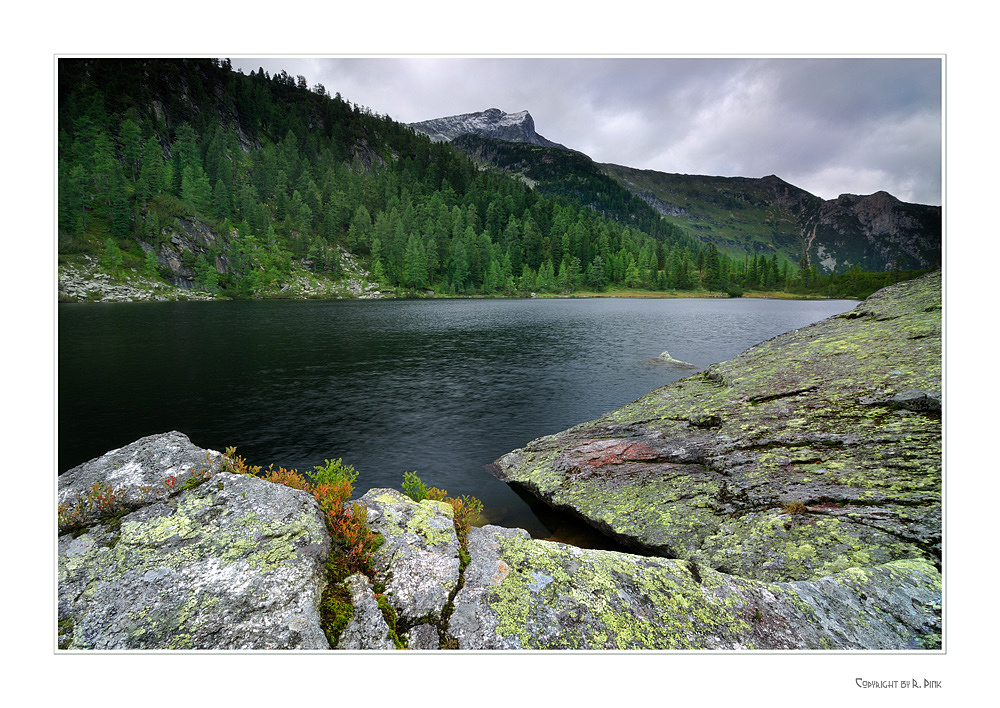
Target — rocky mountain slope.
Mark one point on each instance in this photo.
(491, 123)
(875, 232)
(739, 214)
(790, 498)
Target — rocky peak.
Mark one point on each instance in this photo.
(492, 123)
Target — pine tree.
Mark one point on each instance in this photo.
(120, 208)
(595, 274)
(220, 200)
(132, 148)
(112, 257)
(415, 263)
(151, 266)
(73, 199)
(546, 280)
(359, 237)
(151, 172)
(459, 269)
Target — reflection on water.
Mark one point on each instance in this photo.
(442, 387)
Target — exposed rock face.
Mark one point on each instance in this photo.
(875, 230)
(525, 594)
(84, 282)
(813, 453)
(367, 628)
(232, 563)
(491, 123)
(140, 468)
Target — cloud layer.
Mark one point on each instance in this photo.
(829, 125)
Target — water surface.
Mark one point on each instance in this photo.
(442, 387)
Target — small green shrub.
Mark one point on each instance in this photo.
(413, 487)
(195, 478)
(235, 464)
(288, 478)
(334, 472)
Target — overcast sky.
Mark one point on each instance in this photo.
(828, 125)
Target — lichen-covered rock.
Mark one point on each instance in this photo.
(367, 628)
(418, 562)
(521, 593)
(233, 562)
(423, 637)
(141, 468)
(812, 453)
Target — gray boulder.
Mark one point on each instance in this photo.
(225, 562)
(367, 628)
(419, 560)
(141, 468)
(665, 358)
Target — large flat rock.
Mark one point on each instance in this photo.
(810, 454)
(521, 593)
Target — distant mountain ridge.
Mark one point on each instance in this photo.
(492, 123)
(754, 215)
(875, 231)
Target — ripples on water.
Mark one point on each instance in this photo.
(443, 387)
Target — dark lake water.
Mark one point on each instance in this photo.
(442, 387)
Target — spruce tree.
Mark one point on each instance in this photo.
(414, 263)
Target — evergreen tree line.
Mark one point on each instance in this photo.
(289, 175)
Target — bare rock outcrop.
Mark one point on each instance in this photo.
(813, 453)
(183, 555)
(521, 593)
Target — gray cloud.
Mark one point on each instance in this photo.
(828, 125)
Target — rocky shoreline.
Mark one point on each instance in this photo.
(812, 453)
(787, 500)
(84, 281)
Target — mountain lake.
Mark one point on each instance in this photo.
(441, 387)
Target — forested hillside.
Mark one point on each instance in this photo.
(282, 178)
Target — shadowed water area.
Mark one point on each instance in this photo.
(442, 387)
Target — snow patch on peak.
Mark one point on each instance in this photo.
(491, 123)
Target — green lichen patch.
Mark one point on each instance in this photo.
(547, 595)
(203, 567)
(554, 597)
(429, 521)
